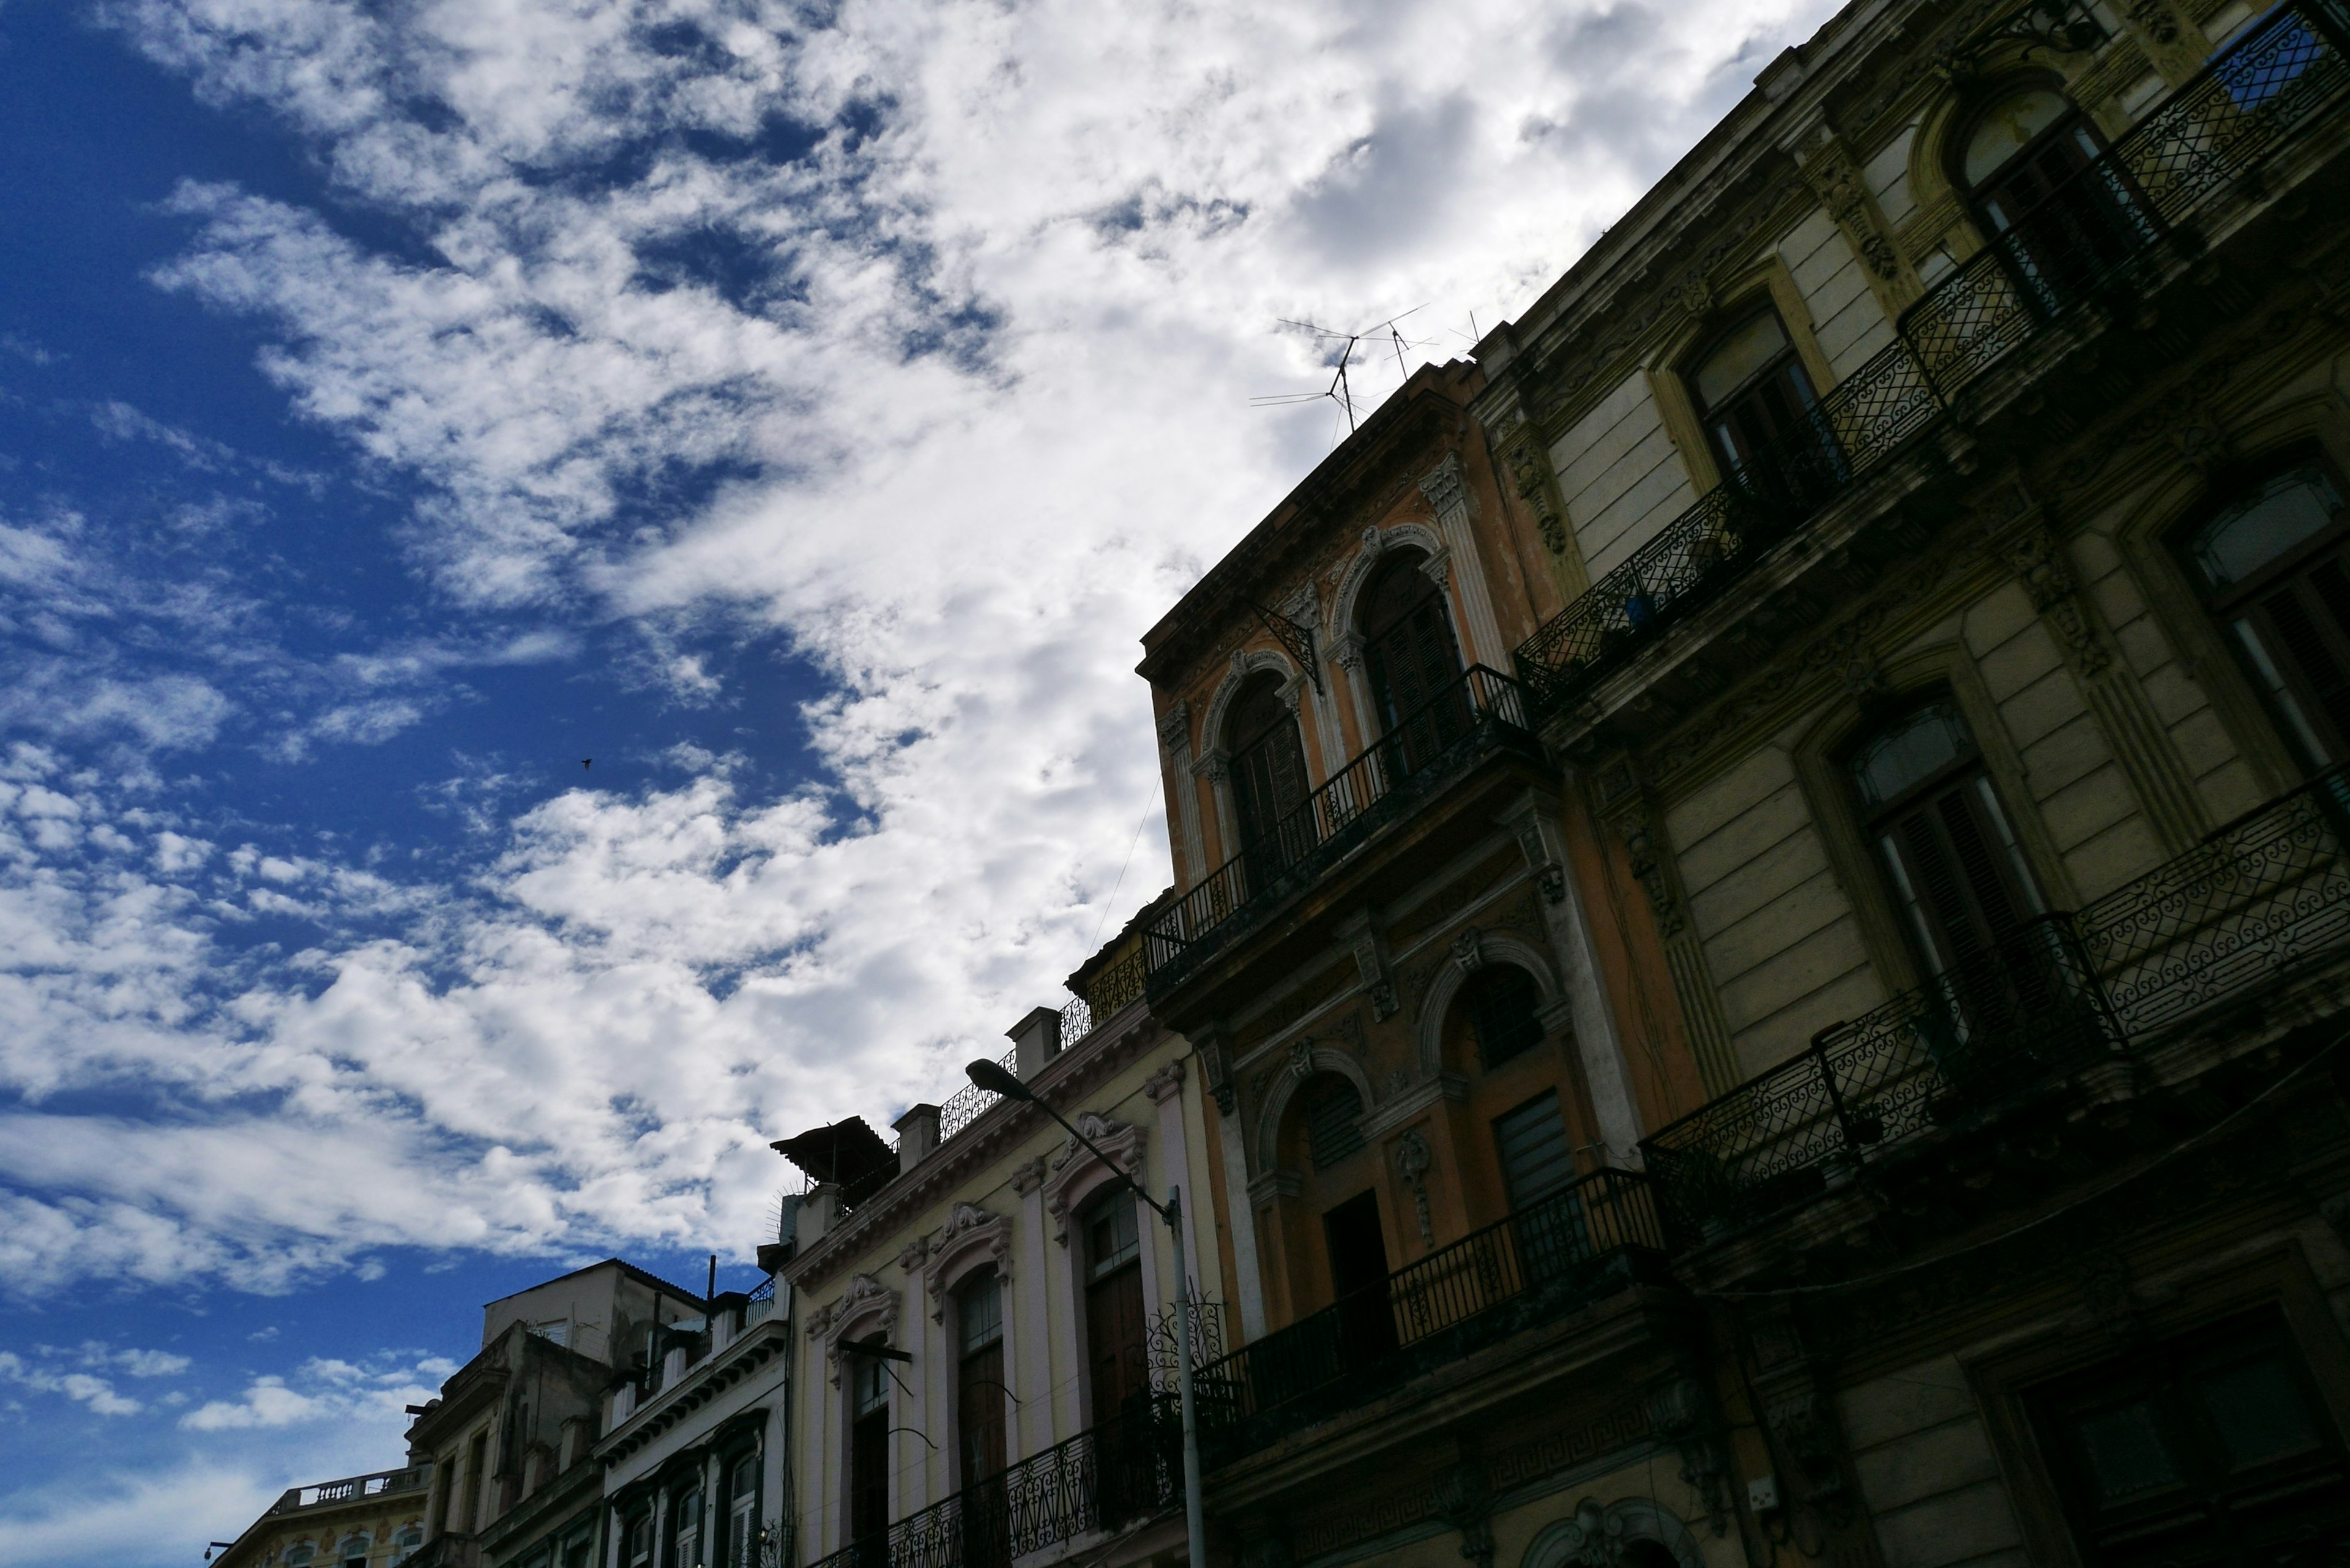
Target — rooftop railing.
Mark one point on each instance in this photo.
(2093, 241)
(1552, 1257)
(353, 1488)
(2257, 902)
(1106, 1478)
(1422, 752)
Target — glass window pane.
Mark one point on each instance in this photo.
(1536, 1160)
(2128, 1454)
(2008, 129)
(2254, 531)
(1503, 1012)
(1912, 749)
(2257, 1412)
(979, 1312)
(1749, 345)
(1111, 1238)
(1333, 1121)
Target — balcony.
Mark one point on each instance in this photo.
(1106, 1478)
(2259, 904)
(1427, 750)
(353, 1488)
(2111, 236)
(1545, 1261)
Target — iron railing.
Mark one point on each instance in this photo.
(761, 1303)
(2257, 901)
(1109, 991)
(1848, 435)
(1419, 753)
(966, 1105)
(1106, 1478)
(1552, 1256)
(2093, 241)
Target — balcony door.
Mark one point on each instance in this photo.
(1414, 663)
(2060, 222)
(869, 1446)
(980, 1446)
(1268, 773)
(2275, 567)
(1126, 1450)
(741, 1512)
(1358, 1277)
(1761, 414)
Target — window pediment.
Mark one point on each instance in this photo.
(1074, 1174)
(973, 1238)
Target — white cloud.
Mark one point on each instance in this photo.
(330, 1389)
(952, 398)
(76, 1374)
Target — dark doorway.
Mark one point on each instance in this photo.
(868, 1449)
(1415, 666)
(1358, 1276)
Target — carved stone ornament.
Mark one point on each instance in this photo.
(1301, 1057)
(1469, 950)
(1444, 487)
(1413, 1160)
(1680, 1412)
(1165, 1084)
(973, 1237)
(1694, 294)
(867, 1305)
(1076, 1172)
(1550, 877)
(1028, 1175)
(1807, 1432)
(1530, 473)
(2037, 558)
(1175, 728)
(1464, 1500)
(1648, 866)
(914, 1253)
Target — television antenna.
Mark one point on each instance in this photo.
(1341, 390)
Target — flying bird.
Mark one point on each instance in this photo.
(586, 762)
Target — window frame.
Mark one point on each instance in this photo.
(1789, 366)
(2278, 1278)
(2302, 728)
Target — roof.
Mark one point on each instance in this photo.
(846, 1152)
(642, 1277)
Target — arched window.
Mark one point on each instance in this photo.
(743, 1510)
(1332, 1116)
(300, 1556)
(1116, 1336)
(2272, 561)
(1268, 770)
(2028, 163)
(1947, 847)
(1414, 663)
(1504, 1007)
(354, 1550)
(1760, 411)
(406, 1544)
(685, 1530)
(637, 1540)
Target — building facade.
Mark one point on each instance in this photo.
(360, 1521)
(1953, 444)
(985, 1307)
(692, 1461)
(510, 1439)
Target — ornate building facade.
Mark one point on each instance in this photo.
(983, 1307)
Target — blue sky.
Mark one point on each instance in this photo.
(800, 411)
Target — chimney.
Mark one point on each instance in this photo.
(918, 1134)
(1037, 1038)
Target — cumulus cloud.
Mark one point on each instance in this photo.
(80, 1374)
(325, 1390)
(917, 337)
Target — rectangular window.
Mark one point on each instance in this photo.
(868, 1446)
(2197, 1450)
(1536, 1160)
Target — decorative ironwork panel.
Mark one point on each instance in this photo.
(966, 1105)
(1426, 750)
(1551, 1257)
(2257, 897)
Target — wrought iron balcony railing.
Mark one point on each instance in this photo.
(1427, 748)
(1110, 990)
(1549, 1258)
(1104, 1478)
(2093, 242)
(2260, 899)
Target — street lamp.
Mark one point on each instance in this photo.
(995, 1080)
